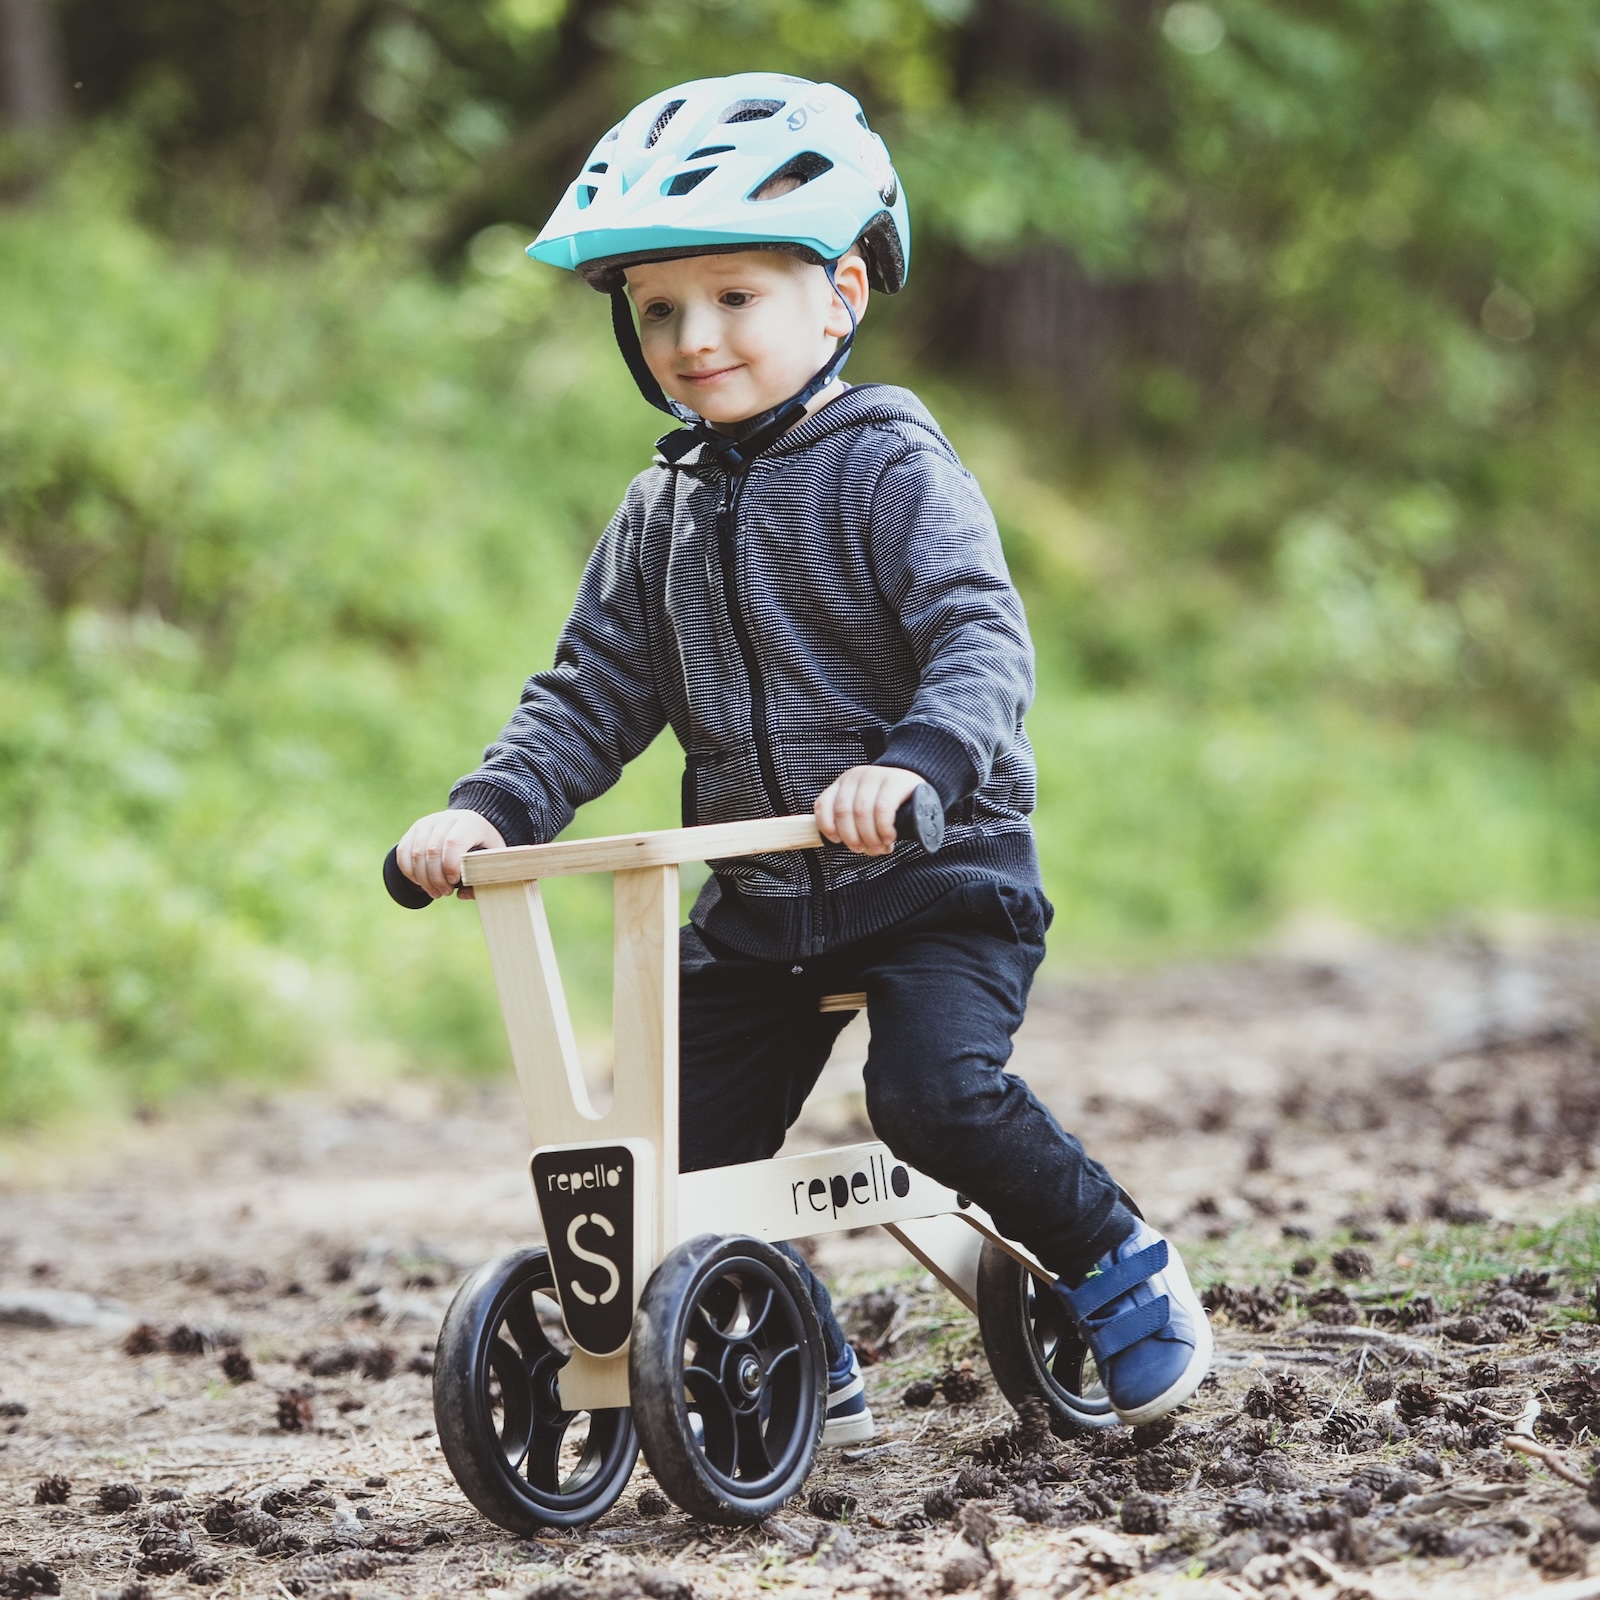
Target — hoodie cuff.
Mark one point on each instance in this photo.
(940, 757)
(501, 808)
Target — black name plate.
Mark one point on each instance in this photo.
(586, 1200)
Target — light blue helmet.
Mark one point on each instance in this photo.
(679, 175)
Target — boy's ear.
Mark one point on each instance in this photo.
(850, 279)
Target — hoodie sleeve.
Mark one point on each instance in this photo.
(582, 721)
(939, 561)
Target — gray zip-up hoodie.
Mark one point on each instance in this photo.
(844, 601)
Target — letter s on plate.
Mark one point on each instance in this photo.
(610, 1292)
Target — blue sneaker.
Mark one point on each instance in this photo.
(1144, 1325)
(846, 1419)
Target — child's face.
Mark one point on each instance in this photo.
(731, 336)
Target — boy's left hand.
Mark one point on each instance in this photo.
(857, 809)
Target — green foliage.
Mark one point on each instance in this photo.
(276, 548)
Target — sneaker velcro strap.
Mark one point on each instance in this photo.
(1104, 1287)
(1129, 1328)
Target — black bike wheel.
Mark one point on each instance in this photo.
(728, 1378)
(521, 1459)
(1034, 1347)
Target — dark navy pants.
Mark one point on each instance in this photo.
(946, 989)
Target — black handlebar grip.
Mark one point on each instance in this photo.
(921, 818)
(401, 889)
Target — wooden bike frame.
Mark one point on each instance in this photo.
(633, 1145)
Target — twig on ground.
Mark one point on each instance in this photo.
(1540, 1452)
(1391, 1341)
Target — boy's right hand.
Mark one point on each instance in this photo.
(430, 854)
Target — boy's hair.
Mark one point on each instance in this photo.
(782, 183)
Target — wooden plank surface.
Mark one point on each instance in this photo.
(624, 851)
(534, 1006)
(644, 1030)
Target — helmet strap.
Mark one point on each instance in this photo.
(734, 450)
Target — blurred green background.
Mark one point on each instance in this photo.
(1271, 330)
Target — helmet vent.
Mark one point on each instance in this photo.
(861, 117)
(685, 181)
(586, 193)
(751, 111)
(659, 126)
(601, 166)
(794, 174)
(709, 150)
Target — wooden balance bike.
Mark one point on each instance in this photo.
(658, 1312)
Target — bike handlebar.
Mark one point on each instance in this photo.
(920, 817)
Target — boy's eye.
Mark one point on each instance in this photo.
(737, 297)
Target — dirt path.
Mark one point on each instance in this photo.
(1435, 1107)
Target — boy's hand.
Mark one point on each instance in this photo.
(857, 809)
(430, 854)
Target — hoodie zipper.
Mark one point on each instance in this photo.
(728, 555)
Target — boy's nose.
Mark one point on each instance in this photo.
(697, 331)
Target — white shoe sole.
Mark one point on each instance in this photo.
(1193, 1376)
(849, 1430)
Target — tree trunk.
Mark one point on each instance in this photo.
(312, 74)
(32, 88)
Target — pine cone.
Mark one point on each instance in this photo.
(1149, 1434)
(143, 1340)
(1341, 1425)
(1274, 1473)
(1375, 1476)
(1559, 1553)
(163, 1551)
(960, 1385)
(1356, 1498)
(831, 1505)
(237, 1367)
(1418, 1309)
(1159, 1470)
(1416, 1400)
(52, 1491)
(118, 1496)
(219, 1517)
(1289, 1399)
(1532, 1285)
(378, 1362)
(978, 1483)
(1033, 1426)
(1144, 1513)
(1243, 1511)
(1032, 1505)
(977, 1526)
(184, 1341)
(1378, 1386)
(296, 1412)
(920, 1393)
(1258, 1403)
(1351, 1263)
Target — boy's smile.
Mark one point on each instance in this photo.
(731, 336)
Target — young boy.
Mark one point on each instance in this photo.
(808, 587)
